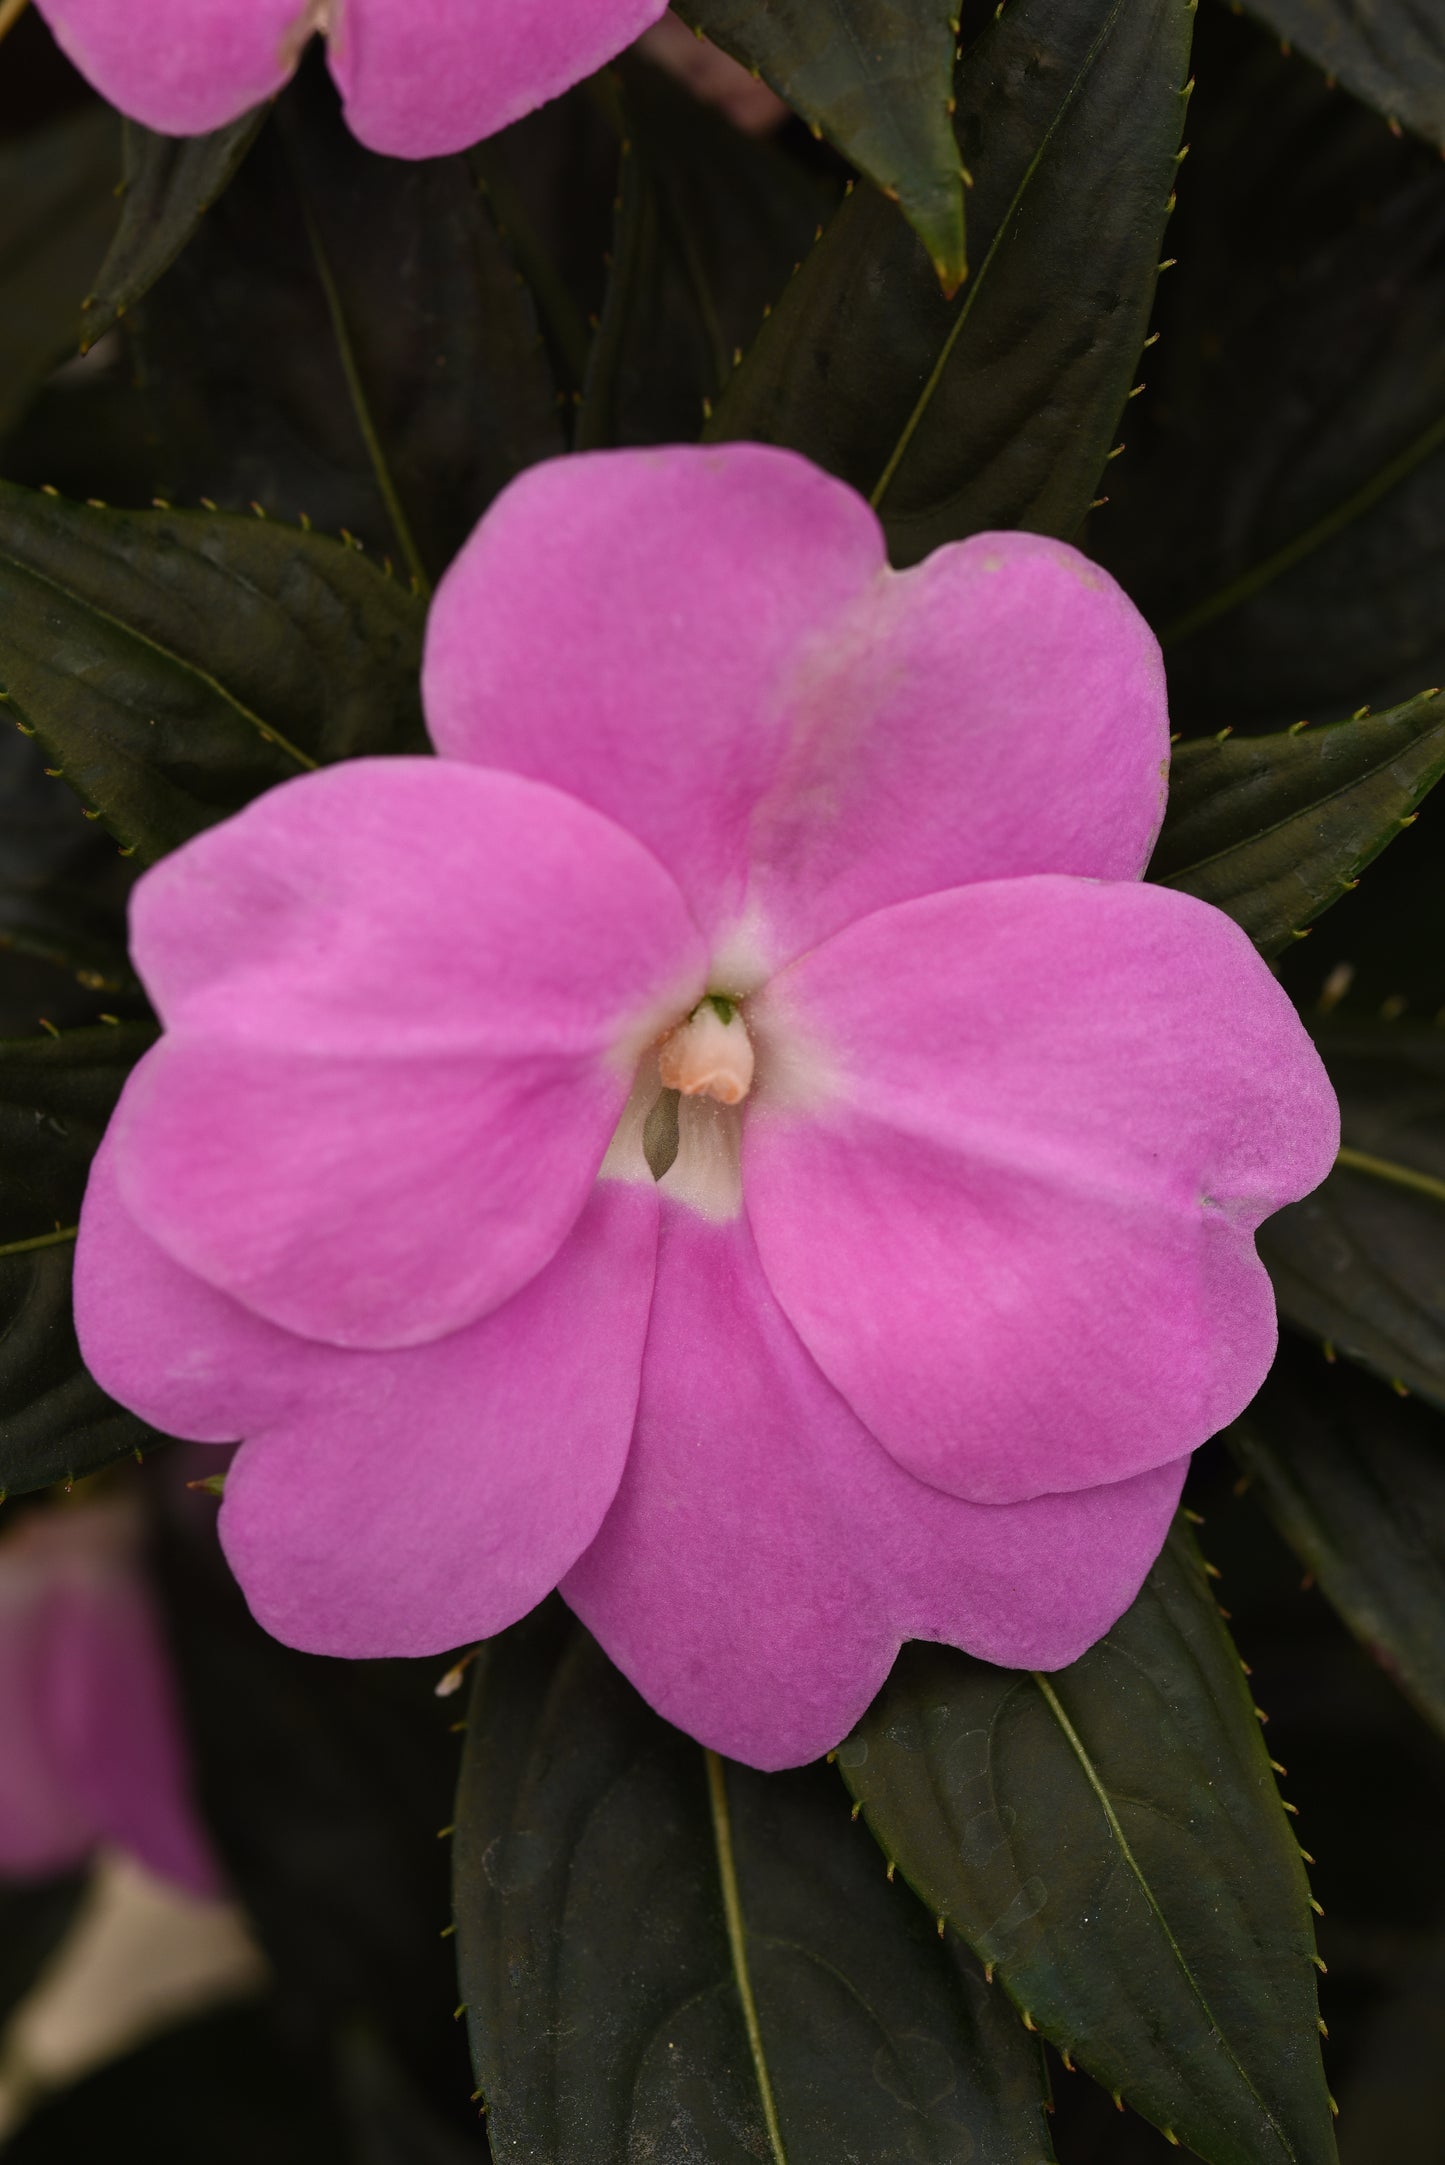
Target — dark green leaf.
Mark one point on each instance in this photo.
(1361, 1262)
(57, 213)
(62, 883)
(56, 1095)
(175, 664)
(1109, 1839)
(168, 184)
(346, 336)
(710, 225)
(1280, 516)
(1391, 53)
(1354, 1477)
(1000, 409)
(602, 1868)
(876, 77)
(1274, 829)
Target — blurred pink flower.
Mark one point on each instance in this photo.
(714, 77)
(419, 77)
(92, 1749)
(955, 1262)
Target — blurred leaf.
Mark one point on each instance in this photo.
(346, 336)
(875, 77)
(1361, 1262)
(1274, 829)
(57, 214)
(56, 1095)
(1000, 409)
(61, 883)
(1109, 1839)
(227, 2088)
(175, 664)
(593, 1889)
(34, 1918)
(168, 184)
(710, 225)
(1391, 53)
(1280, 516)
(324, 1785)
(1354, 1478)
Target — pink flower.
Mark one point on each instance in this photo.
(955, 1264)
(419, 77)
(714, 77)
(92, 1746)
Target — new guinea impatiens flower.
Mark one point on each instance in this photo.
(420, 77)
(954, 1263)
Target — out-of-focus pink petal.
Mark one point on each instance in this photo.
(1008, 1184)
(404, 1000)
(182, 66)
(389, 1503)
(424, 77)
(714, 76)
(707, 645)
(92, 1738)
(765, 1557)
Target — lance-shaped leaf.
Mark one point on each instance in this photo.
(875, 77)
(1354, 1478)
(1391, 53)
(1361, 1262)
(665, 1956)
(1280, 516)
(1109, 1839)
(1274, 829)
(999, 409)
(168, 183)
(175, 664)
(57, 214)
(56, 1095)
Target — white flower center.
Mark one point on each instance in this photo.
(709, 1054)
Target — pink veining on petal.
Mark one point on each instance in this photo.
(400, 1502)
(800, 734)
(1001, 1210)
(403, 1000)
(765, 1557)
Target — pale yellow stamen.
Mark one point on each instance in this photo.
(710, 1055)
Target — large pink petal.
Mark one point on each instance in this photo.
(708, 646)
(1007, 1182)
(424, 77)
(389, 1503)
(765, 1557)
(182, 66)
(404, 1000)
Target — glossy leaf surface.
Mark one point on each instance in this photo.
(1354, 1477)
(1361, 1262)
(1391, 53)
(875, 77)
(1110, 1840)
(174, 664)
(56, 1095)
(999, 409)
(612, 1889)
(1274, 829)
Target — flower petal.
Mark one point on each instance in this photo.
(389, 1503)
(801, 735)
(1008, 1186)
(425, 77)
(765, 1558)
(182, 66)
(404, 1001)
